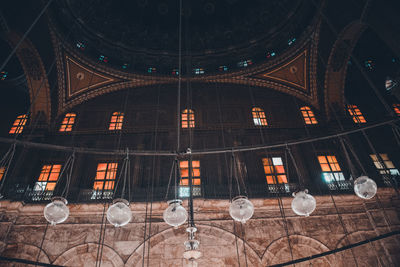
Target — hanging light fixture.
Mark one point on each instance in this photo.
(175, 215)
(119, 213)
(303, 203)
(365, 187)
(57, 210)
(192, 253)
(241, 209)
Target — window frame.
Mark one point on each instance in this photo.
(19, 124)
(116, 125)
(2, 172)
(189, 122)
(184, 178)
(274, 172)
(309, 117)
(43, 180)
(259, 117)
(356, 114)
(389, 165)
(334, 174)
(109, 167)
(68, 122)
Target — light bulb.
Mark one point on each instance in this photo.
(365, 187)
(303, 203)
(175, 215)
(119, 213)
(241, 209)
(56, 211)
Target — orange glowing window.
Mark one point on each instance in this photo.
(2, 171)
(184, 182)
(188, 118)
(308, 115)
(396, 108)
(274, 170)
(259, 118)
(48, 178)
(356, 114)
(105, 176)
(330, 167)
(68, 122)
(116, 121)
(19, 124)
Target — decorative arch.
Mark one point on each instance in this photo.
(335, 74)
(36, 77)
(216, 244)
(85, 255)
(26, 252)
(302, 246)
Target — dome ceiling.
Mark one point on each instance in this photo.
(144, 33)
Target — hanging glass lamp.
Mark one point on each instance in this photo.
(56, 211)
(119, 213)
(241, 209)
(365, 187)
(175, 215)
(303, 203)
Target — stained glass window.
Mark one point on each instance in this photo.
(274, 170)
(48, 178)
(330, 167)
(184, 182)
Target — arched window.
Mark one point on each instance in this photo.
(116, 121)
(396, 108)
(188, 118)
(68, 122)
(19, 124)
(308, 115)
(356, 114)
(259, 118)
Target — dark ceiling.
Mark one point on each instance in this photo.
(144, 33)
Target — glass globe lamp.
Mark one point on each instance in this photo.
(56, 211)
(365, 187)
(175, 215)
(303, 203)
(119, 213)
(241, 209)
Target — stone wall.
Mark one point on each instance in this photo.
(262, 241)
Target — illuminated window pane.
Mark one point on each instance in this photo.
(184, 182)
(2, 171)
(259, 118)
(396, 108)
(356, 114)
(18, 124)
(48, 178)
(390, 168)
(308, 115)
(105, 176)
(68, 122)
(188, 118)
(116, 121)
(330, 167)
(274, 170)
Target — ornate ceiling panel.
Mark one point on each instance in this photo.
(81, 79)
